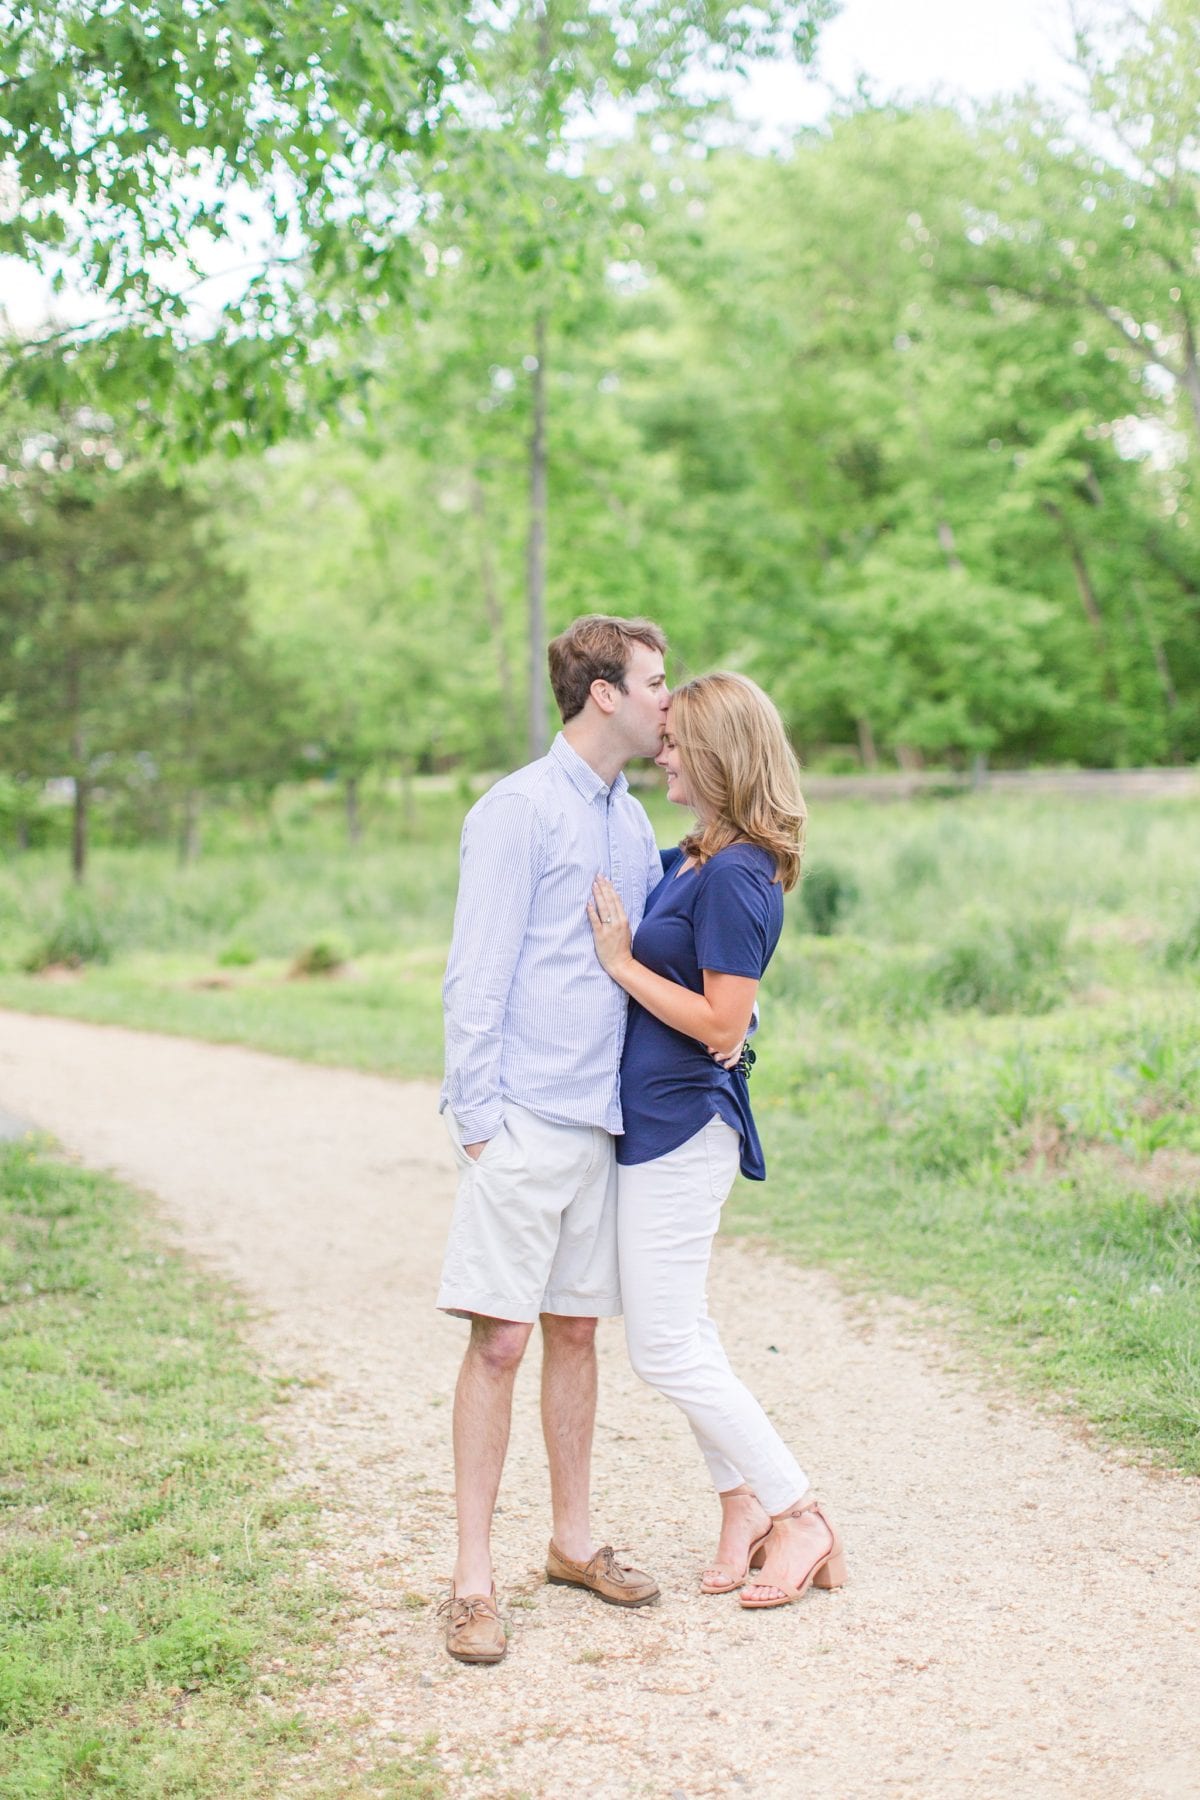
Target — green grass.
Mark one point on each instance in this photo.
(980, 1087)
(1037, 1180)
(155, 1635)
(382, 1014)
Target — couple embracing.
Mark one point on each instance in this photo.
(597, 998)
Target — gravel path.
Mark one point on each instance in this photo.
(1022, 1616)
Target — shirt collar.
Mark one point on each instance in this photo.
(581, 774)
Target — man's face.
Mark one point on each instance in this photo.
(642, 708)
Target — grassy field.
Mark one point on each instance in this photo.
(157, 1628)
(155, 1634)
(979, 1067)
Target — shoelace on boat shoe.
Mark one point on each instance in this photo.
(474, 1606)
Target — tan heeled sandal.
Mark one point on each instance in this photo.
(728, 1578)
(828, 1569)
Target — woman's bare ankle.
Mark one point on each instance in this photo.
(741, 1500)
(806, 1500)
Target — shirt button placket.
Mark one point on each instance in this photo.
(614, 853)
(621, 1009)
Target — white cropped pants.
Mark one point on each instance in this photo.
(667, 1216)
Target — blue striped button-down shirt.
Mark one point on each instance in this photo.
(530, 1014)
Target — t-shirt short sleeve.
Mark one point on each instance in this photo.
(732, 918)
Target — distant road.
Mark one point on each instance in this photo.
(1106, 784)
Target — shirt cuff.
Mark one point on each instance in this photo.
(477, 1127)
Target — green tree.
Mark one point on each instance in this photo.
(913, 484)
(144, 137)
(353, 562)
(517, 206)
(306, 141)
(1100, 218)
(124, 645)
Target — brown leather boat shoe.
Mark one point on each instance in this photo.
(474, 1633)
(617, 1583)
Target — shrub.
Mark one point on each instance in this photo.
(1184, 948)
(1002, 965)
(236, 956)
(26, 821)
(78, 937)
(827, 893)
(942, 1133)
(915, 865)
(324, 956)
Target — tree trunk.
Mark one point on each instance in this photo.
(353, 816)
(1191, 370)
(1087, 593)
(536, 561)
(79, 828)
(945, 535)
(495, 614)
(1162, 668)
(942, 525)
(866, 742)
(189, 829)
(189, 824)
(79, 818)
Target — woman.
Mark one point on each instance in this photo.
(692, 974)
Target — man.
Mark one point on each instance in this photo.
(534, 1030)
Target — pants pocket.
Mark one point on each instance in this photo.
(722, 1146)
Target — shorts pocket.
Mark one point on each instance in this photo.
(487, 1154)
(492, 1150)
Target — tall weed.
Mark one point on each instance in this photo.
(1183, 951)
(78, 936)
(827, 894)
(999, 965)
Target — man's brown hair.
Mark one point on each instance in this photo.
(596, 648)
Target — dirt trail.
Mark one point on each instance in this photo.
(1023, 1615)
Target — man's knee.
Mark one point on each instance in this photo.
(499, 1344)
(564, 1333)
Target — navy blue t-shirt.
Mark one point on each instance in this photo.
(725, 916)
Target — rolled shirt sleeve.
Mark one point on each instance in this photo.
(501, 862)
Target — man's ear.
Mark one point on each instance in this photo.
(605, 695)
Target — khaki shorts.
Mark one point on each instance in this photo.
(534, 1228)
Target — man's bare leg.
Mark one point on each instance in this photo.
(568, 1420)
(482, 1416)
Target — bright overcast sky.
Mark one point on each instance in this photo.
(910, 49)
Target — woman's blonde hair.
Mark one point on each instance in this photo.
(741, 772)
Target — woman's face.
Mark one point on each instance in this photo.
(668, 759)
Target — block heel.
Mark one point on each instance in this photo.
(831, 1574)
(828, 1570)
